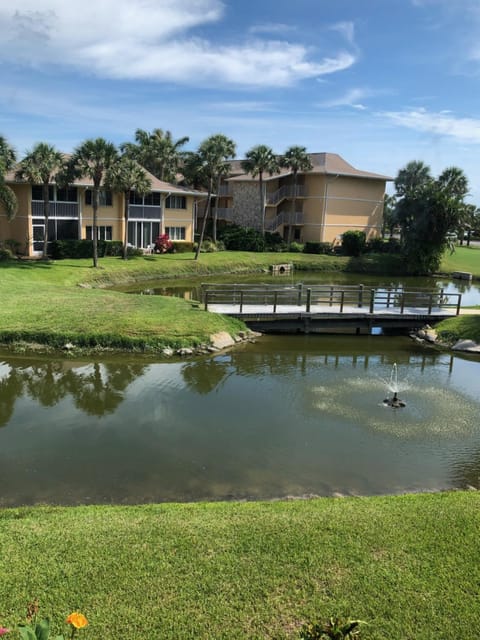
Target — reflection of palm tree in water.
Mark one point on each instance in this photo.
(101, 390)
(97, 391)
(11, 388)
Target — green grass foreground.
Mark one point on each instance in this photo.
(407, 565)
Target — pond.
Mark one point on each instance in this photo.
(286, 416)
(192, 288)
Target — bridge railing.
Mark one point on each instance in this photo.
(337, 298)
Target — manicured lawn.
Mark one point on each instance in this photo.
(408, 565)
(463, 259)
(460, 328)
(43, 302)
(66, 301)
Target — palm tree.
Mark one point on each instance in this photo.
(213, 157)
(92, 159)
(125, 176)
(7, 163)
(40, 166)
(158, 152)
(295, 159)
(414, 176)
(454, 181)
(258, 161)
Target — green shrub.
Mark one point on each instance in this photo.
(353, 243)
(296, 247)
(317, 247)
(377, 245)
(5, 254)
(238, 238)
(13, 245)
(275, 242)
(59, 249)
(182, 247)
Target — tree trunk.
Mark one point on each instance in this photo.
(96, 202)
(204, 223)
(46, 214)
(262, 202)
(126, 197)
(215, 213)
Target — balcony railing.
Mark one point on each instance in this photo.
(286, 217)
(287, 191)
(224, 213)
(144, 212)
(224, 190)
(57, 209)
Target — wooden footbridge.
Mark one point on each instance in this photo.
(325, 308)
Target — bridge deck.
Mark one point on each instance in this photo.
(238, 310)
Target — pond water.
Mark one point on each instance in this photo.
(286, 416)
(192, 288)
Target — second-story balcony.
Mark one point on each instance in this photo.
(57, 209)
(285, 218)
(287, 191)
(144, 212)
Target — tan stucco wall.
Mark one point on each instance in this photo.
(180, 218)
(20, 227)
(338, 204)
(106, 216)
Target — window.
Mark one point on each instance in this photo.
(55, 194)
(103, 233)
(150, 200)
(67, 195)
(176, 202)
(37, 192)
(104, 196)
(175, 233)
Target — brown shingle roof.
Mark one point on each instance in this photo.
(157, 185)
(323, 163)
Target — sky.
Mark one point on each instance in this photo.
(380, 82)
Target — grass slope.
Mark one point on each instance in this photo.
(462, 259)
(408, 565)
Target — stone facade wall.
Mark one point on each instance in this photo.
(246, 204)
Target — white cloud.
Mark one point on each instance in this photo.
(151, 40)
(350, 99)
(347, 29)
(439, 124)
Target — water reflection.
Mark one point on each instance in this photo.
(95, 388)
(290, 415)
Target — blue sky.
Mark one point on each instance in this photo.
(381, 82)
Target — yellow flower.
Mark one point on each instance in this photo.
(78, 620)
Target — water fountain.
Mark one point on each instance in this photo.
(394, 401)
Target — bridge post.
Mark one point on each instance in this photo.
(430, 303)
(275, 295)
(402, 304)
(342, 299)
(360, 295)
(331, 296)
(309, 300)
(206, 299)
(299, 299)
(372, 300)
(241, 301)
(459, 303)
